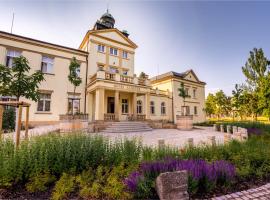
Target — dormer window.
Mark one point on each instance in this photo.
(125, 54)
(113, 51)
(101, 48)
(11, 54)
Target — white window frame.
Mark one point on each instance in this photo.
(11, 54)
(124, 106)
(71, 110)
(139, 107)
(101, 48)
(125, 54)
(47, 62)
(113, 51)
(44, 99)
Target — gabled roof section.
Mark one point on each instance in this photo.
(125, 40)
(41, 43)
(172, 74)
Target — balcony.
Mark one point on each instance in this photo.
(103, 75)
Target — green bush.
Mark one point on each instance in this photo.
(9, 117)
(39, 182)
(63, 187)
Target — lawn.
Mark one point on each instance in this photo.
(78, 165)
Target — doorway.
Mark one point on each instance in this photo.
(110, 105)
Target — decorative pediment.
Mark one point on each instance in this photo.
(114, 35)
(190, 75)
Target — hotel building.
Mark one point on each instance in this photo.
(110, 90)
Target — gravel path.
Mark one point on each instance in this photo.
(260, 193)
(172, 137)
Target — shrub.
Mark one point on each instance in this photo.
(40, 182)
(64, 186)
(203, 176)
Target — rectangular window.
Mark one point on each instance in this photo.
(163, 108)
(152, 107)
(124, 106)
(113, 51)
(100, 67)
(78, 71)
(47, 65)
(187, 91)
(101, 48)
(73, 105)
(125, 54)
(113, 69)
(11, 54)
(125, 72)
(44, 102)
(194, 93)
(195, 110)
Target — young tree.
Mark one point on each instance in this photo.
(210, 105)
(16, 81)
(237, 100)
(183, 94)
(222, 103)
(74, 76)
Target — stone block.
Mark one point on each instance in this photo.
(212, 140)
(190, 142)
(215, 127)
(222, 128)
(172, 185)
(161, 143)
(227, 138)
(234, 128)
(229, 127)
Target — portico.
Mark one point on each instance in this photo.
(111, 100)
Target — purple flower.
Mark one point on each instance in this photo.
(198, 169)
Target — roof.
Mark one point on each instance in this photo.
(173, 74)
(3, 33)
(93, 32)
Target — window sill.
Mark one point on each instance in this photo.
(46, 73)
(101, 52)
(43, 112)
(114, 55)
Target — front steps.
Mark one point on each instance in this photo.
(127, 126)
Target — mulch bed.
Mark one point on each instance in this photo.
(19, 191)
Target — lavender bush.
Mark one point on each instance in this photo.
(203, 176)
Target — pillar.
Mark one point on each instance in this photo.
(116, 105)
(19, 124)
(134, 105)
(99, 112)
(27, 122)
(90, 106)
(147, 105)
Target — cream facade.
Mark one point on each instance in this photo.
(110, 91)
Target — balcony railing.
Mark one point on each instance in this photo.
(104, 75)
(109, 117)
(126, 79)
(109, 76)
(140, 117)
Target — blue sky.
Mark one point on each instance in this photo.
(213, 38)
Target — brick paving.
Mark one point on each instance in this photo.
(260, 193)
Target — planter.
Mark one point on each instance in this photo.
(184, 122)
(71, 123)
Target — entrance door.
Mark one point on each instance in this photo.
(110, 105)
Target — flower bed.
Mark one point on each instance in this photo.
(202, 176)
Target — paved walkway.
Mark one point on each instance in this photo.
(172, 137)
(260, 193)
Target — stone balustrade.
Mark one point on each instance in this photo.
(232, 132)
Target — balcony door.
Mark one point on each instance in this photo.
(110, 105)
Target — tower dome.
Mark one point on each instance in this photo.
(107, 19)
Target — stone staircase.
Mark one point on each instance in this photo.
(127, 126)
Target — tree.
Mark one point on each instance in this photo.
(264, 96)
(74, 76)
(237, 100)
(255, 68)
(16, 81)
(210, 105)
(142, 75)
(223, 105)
(183, 93)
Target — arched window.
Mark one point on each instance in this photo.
(152, 107)
(163, 108)
(139, 107)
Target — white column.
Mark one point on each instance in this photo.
(99, 113)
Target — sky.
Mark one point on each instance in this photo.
(211, 37)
